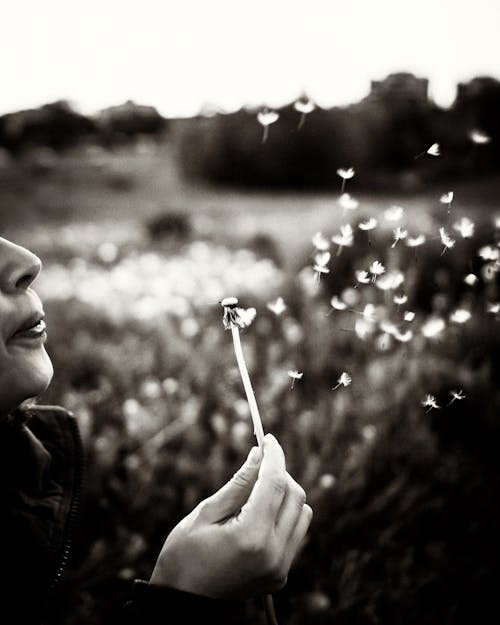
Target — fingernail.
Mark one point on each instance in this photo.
(254, 456)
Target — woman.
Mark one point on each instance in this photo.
(236, 544)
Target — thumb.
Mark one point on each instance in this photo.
(229, 499)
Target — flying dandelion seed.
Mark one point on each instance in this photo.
(400, 299)
(295, 375)
(430, 403)
(345, 238)
(304, 106)
(319, 269)
(460, 316)
(447, 198)
(479, 137)
(409, 315)
(434, 150)
(362, 277)
(370, 224)
(322, 258)
(465, 227)
(471, 279)
(394, 213)
(433, 327)
(391, 281)
(320, 242)
(376, 269)
(266, 117)
(489, 253)
(456, 396)
(398, 234)
(345, 174)
(446, 240)
(277, 307)
(415, 241)
(493, 307)
(337, 304)
(344, 380)
(347, 202)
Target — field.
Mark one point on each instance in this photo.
(392, 429)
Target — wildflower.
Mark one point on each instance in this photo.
(394, 213)
(266, 117)
(370, 224)
(447, 198)
(337, 304)
(433, 327)
(345, 238)
(400, 299)
(304, 106)
(430, 403)
(278, 307)
(471, 279)
(434, 150)
(344, 380)
(362, 277)
(399, 234)
(493, 307)
(465, 227)
(415, 241)
(446, 240)
(347, 202)
(409, 315)
(479, 137)
(320, 242)
(456, 395)
(489, 252)
(295, 375)
(376, 269)
(391, 281)
(460, 316)
(345, 174)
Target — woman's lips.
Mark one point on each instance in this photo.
(36, 331)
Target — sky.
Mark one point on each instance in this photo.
(181, 56)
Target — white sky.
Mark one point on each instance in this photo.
(179, 55)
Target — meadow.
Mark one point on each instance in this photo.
(390, 421)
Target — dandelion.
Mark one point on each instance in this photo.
(277, 307)
(337, 304)
(344, 380)
(460, 316)
(433, 327)
(465, 227)
(345, 238)
(409, 315)
(394, 213)
(447, 198)
(304, 106)
(233, 319)
(430, 403)
(415, 241)
(399, 234)
(295, 375)
(370, 224)
(446, 240)
(456, 396)
(400, 299)
(434, 150)
(345, 174)
(376, 269)
(347, 202)
(362, 277)
(266, 117)
(479, 137)
(320, 242)
(471, 279)
(489, 252)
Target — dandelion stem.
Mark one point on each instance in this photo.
(342, 187)
(270, 613)
(302, 120)
(254, 410)
(265, 134)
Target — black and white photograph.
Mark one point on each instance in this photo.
(249, 312)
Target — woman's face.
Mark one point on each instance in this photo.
(25, 368)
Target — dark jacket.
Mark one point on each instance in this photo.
(41, 477)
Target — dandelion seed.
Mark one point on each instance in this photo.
(394, 213)
(430, 403)
(277, 307)
(460, 316)
(304, 106)
(479, 137)
(456, 396)
(347, 202)
(409, 315)
(403, 337)
(266, 117)
(363, 328)
(320, 242)
(399, 234)
(370, 224)
(322, 258)
(376, 269)
(433, 327)
(319, 269)
(447, 198)
(345, 174)
(337, 304)
(489, 252)
(446, 240)
(415, 241)
(465, 227)
(369, 313)
(400, 299)
(295, 375)
(434, 150)
(493, 307)
(362, 277)
(345, 238)
(344, 380)
(471, 279)
(391, 281)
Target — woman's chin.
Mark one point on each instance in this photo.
(33, 374)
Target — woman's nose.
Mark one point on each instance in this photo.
(18, 267)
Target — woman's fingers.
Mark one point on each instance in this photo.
(291, 509)
(298, 534)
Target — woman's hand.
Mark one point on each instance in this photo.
(242, 540)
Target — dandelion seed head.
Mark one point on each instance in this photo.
(446, 198)
(370, 224)
(347, 202)
(277, 307)
(320, 242)
(493, 307)
(266, 117)
(465, 227)
(363, 328)
(363, 277)
(337, 304)
(433, 327)
(479, 137)
(345, 238)
(304, 106)
(322, 258)
(399, 234)
(346, 174)
(488, 252)
(415, 241)
(376, 268)
(434, 150)
(409, 315)
(400, 299)
(294, 374)
(460, 316)
(394, 213)
(446, 240)
(471, 279)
